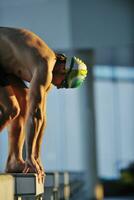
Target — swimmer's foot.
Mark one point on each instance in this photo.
(15, 166)
(41, 166)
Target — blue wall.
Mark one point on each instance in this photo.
(99, 24)
(49, 19)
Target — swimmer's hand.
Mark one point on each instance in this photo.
(31, 166)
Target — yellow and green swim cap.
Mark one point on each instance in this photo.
(75, 74)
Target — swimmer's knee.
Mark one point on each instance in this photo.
(8, 114)
(13, 111)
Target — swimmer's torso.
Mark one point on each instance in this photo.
(21, 52)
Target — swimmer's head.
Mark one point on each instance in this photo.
(70, 72)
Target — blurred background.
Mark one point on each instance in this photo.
(90, 130)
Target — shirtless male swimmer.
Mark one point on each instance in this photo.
(26, 57)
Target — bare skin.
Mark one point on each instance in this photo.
(25, 55)
(16, 132)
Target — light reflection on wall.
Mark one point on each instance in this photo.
(114, 97)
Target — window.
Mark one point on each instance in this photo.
(114, 97)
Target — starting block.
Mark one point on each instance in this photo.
(16, 186)
(6, 187)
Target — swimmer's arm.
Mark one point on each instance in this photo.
(37, 97)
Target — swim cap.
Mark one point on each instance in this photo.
(75, 74)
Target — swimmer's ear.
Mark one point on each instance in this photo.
(61, 58)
